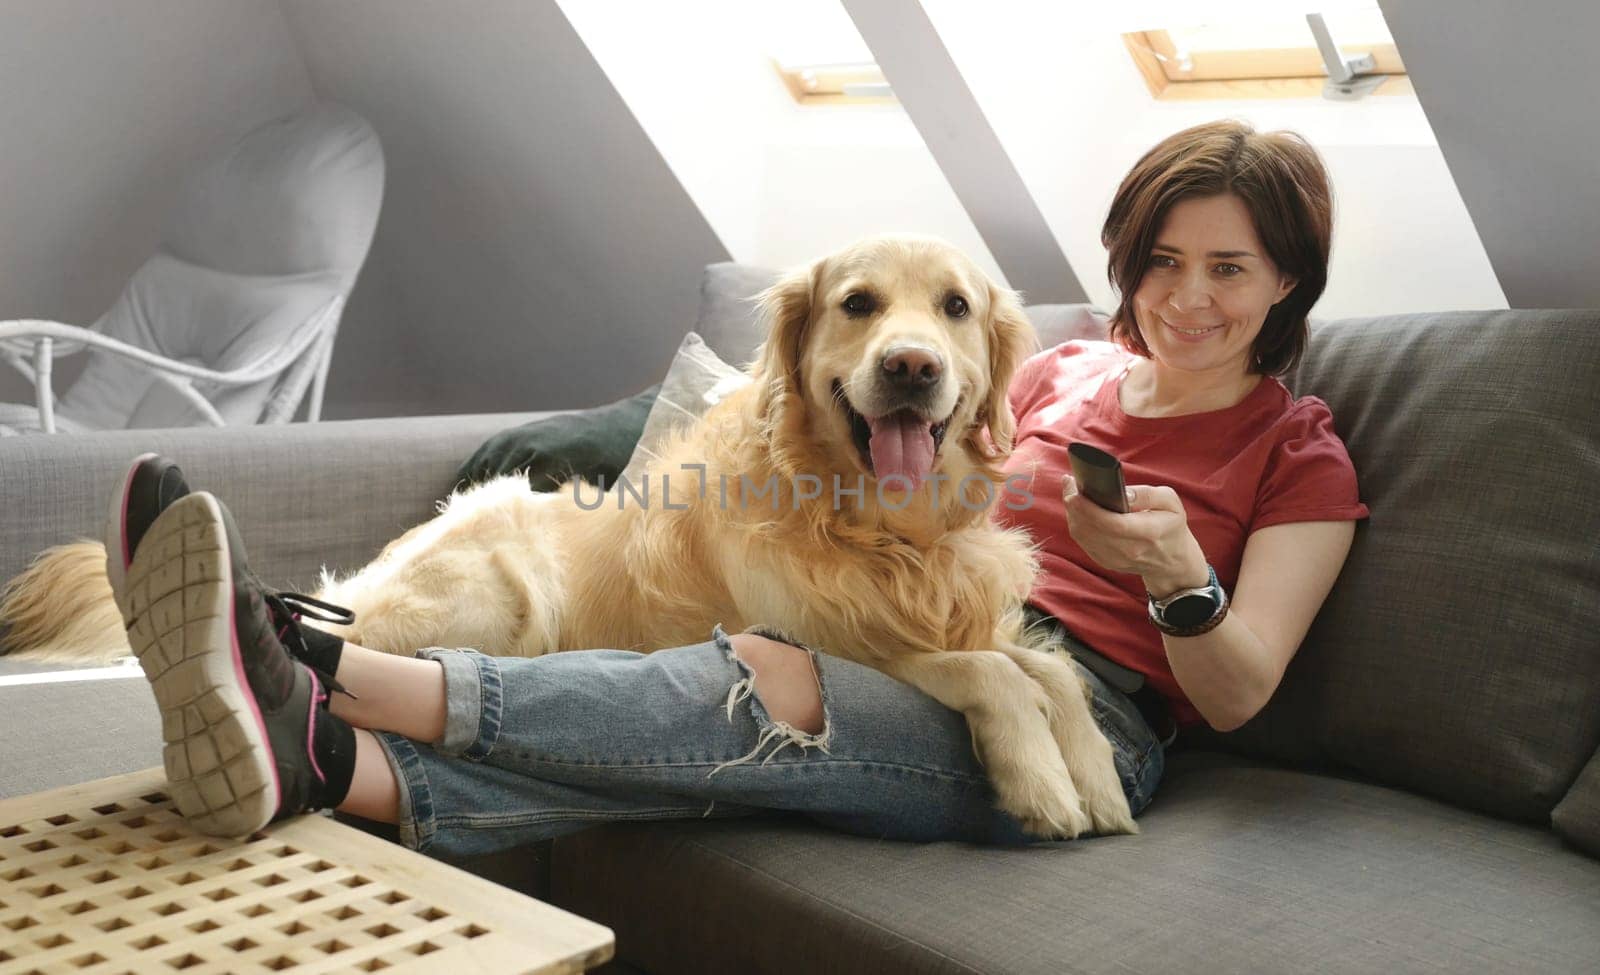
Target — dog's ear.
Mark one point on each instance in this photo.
(1011, 340)
(786, 311)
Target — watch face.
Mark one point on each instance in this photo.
(1189, 611)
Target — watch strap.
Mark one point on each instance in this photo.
(1212, 587)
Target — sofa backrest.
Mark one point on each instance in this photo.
(1459, 653)
(306, 495)
(730, 325)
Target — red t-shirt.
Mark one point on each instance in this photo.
(1267, 460)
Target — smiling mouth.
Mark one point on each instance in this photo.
(1189, 331)
(903, 442)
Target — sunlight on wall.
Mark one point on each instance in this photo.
(1073, 113)
(780, 184)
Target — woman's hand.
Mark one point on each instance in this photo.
(1152, 540)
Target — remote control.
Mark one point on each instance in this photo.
(1099, 476)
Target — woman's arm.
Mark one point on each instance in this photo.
(1284, 576)
(1287, 571)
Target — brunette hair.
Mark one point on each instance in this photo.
(1283, 184)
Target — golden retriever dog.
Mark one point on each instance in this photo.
(885, 367)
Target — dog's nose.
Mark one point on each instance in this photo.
(912, 368)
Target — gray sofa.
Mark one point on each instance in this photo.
(1422, 794)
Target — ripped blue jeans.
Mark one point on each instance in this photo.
(534, 748)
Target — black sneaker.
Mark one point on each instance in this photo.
(249, 738)
(152, 484)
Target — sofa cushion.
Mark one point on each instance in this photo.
(61, 732)
(1577, 816)
(697, 380)
(1458, 653)
(592, 444)
(1240, 868)
(728, 319)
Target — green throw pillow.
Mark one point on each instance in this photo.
(589, 444)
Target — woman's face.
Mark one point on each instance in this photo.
(1208, 287)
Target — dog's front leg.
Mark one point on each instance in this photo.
(1083, 745)
(1006, 711)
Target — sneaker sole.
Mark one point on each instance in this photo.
(117, 558)
(217, 756)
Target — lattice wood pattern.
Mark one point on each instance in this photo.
(106, 878)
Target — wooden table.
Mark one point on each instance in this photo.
(106, 878)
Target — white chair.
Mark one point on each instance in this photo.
(234, 317)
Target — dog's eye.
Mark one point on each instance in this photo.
(956, 306)
(858, 303)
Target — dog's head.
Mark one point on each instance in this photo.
(891, 357)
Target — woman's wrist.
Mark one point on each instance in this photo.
(1191, 571)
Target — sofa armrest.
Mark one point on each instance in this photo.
(305, 495)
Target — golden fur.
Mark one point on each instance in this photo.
(929, 594)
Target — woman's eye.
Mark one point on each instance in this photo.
(956, 306)
(857, 303)
(1229, 270)
(1162, 260)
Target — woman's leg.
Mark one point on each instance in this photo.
(535, 748)
(407, 696)
(528, 748)
(404, 695)
(374, 794)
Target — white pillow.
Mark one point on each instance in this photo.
(696, 381)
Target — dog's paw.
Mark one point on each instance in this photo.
(1047, 805)
(1089, 755)
(1104, 800)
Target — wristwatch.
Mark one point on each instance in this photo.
(1190, 612)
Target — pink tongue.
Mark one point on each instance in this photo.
(901, 444)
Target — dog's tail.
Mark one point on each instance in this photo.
(60, 609)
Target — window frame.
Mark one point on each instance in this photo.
(1290, 72)
(826, 83)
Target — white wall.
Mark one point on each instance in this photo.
(1511, 92)
(1067, 102)
(781, 184)
(535, 251)
(107, 106)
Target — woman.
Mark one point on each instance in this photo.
(1219, 241)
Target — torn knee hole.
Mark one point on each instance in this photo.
(789, 703)
(784, 679)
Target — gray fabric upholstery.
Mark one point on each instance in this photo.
(74, 731)
(1240, 868)
(1577, 816)
(730, 324)
(728, 317)
(1459, 653)
(305, 495)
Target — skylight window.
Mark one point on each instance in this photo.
(1263, 57)
(819, 54)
